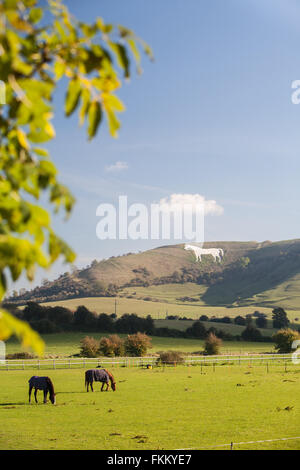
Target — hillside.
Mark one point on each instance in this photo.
(250, 273)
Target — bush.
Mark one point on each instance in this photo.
(284, 339)
(170, 357)
(89, 347)
(212, 345)
(137, 344)
(21, 355)
(111, 346)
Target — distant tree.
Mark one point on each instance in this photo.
(61, 316)
(33, 311)
(149, 325)
(111, 346)
(137, 344)
(89, 347)
(226, 320)
(84, 319)
(284, 339)
(280, 318)
(261, 322)
(249, 319)
(203, 318)
(239, 320)
(197, 330)
(251, 333)
(212, 345)
(105, 323)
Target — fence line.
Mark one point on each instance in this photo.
(263, 359)
(232, 444)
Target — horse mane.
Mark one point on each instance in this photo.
(111, 377)
(50, 386)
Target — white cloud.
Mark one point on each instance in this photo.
(179, 201)
(118, 166)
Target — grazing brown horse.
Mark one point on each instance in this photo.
(42, 383)
(99, 375)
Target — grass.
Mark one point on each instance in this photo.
(156, 309)
(66, 344)
(167, 408)
(166, 300)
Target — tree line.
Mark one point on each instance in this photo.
(46, 319)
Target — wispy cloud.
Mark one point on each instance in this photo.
(116, 167)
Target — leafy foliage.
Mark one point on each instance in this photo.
(137, 344)
(212, 345)
(284, 339)
(91, 60)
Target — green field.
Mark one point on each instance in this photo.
(166, 300)
(163, 408)
(67, 344)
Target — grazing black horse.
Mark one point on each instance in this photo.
(99, 375)
(41, 383)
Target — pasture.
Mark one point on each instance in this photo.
(163, 408)
(68, 344)
(167, 299)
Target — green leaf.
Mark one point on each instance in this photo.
(122, 57)
(113, 122)
(94, 118)
(35, 15)
(9, 325)
(73, 96)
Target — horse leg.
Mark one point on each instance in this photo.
(102, 386)
(91, 384)
(107, 386)
(45, 396)
(35, 392)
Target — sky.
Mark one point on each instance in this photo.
(211, 116)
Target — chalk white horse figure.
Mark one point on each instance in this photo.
(217, 253)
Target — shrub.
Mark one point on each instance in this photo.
(89, 347)
(137, 344)
(212, 345)
(170, 357)
(284, 339)
(21, 355)
(111, 346)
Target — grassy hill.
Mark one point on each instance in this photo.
(169, 278)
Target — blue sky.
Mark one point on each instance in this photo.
(211, 116)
